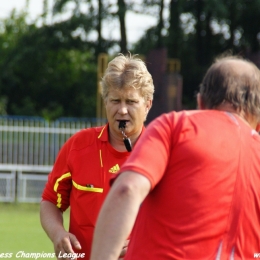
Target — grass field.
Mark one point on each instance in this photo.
(20, 229)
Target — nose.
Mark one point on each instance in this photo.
(123, 109)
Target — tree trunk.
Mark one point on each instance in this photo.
(199, 37)
(121, 15)
(208, 40)
(232, 26)
(99, 48)
(174, 30)
(160, 25)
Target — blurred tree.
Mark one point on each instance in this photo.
(198, 31)
(46, 71)
(154, 36)
(121, 16)
(50, 69)
(249, 35)
(88, 16)
(100, 15)
(175, 34)
(9, 38)
(97, 12)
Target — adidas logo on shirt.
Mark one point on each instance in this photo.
(114, 169)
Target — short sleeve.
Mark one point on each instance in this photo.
(151, 154)
(58, 186)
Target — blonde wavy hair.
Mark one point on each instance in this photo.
(128, 71)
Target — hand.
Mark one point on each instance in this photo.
(63, 245)
(124, 249)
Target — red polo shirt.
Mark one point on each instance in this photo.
(205, 199)
(80, 179)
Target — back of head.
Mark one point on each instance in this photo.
(128, 71)
(234, 80)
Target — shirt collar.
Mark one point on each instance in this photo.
(103, 135)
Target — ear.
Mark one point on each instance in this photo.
(200, 103)
(148, 105)
(104, 101)
(258, 127)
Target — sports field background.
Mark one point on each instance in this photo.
(20, 229)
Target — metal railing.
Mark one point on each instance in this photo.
(34, 141)
(28, 149)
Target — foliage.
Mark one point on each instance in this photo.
(50, 70)
(198, 31)
(47, 72)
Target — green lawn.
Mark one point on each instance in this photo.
(20, 229)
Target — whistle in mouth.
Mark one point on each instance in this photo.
(122, 124)
(127, 141)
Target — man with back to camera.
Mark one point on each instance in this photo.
(193, 180)
(86, 162)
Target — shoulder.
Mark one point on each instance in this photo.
(173, 118)
(85, 137)
(190, 116)
(174, 123)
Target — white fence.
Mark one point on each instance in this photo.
(30, 187)
(28, 148)
(7, 186)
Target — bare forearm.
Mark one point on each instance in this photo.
(52, 223)
(51, 219)
(117, 216)
(120, 220)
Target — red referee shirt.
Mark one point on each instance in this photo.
(80, 179)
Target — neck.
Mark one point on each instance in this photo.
(116, 140)
(250, 120)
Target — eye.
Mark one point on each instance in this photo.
(131, 102)
(115, 101)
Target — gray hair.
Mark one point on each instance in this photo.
(240, 88)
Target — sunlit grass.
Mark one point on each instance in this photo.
(20, 229)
